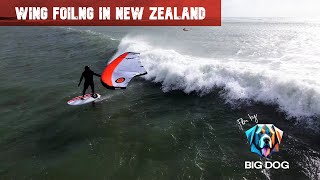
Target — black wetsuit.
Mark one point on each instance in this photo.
(88, 80)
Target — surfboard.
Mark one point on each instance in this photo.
(86, 99)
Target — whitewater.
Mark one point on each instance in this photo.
(272, 63)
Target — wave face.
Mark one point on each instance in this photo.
(269, 63)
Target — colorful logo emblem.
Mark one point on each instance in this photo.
(120, 80)
(264, 139)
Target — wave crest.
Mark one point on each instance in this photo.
(240, 80)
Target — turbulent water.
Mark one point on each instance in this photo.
(177, 122)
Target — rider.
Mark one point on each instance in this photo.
(88, 80)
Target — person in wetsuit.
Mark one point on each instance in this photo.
(88, 80)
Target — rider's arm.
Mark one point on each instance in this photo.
(96, 74)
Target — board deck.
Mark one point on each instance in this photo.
(87, 98)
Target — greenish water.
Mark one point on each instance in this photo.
(138, 133)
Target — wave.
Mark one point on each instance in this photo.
(70, 30)
(240, 80)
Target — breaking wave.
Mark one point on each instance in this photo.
(288, 84)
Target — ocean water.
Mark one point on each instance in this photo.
(177, 122)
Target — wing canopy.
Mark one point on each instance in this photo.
(121, 70)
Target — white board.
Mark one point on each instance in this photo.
(86, 99)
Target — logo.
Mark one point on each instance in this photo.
(264, 139)
(266, 165)
(120, 80)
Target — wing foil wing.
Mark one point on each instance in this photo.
(121, 70)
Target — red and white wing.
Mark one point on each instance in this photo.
(121, 70)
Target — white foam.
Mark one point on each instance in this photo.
(285, 81)
(89, 32)
(104, 98)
